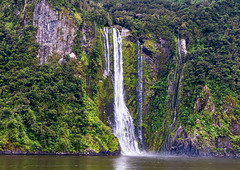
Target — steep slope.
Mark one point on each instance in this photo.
(190, 75)
(45, 107)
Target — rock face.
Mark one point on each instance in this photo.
(56, 31)
(183, 47)
(88, 35)
(187, 144)
(157, 58)
(202, 102)
(201, 143)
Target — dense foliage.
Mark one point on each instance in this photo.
(43, 107)
(54, 107)
(211, 29)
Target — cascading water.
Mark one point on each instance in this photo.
(166, 144)
(124, 128)
(140, 93)
(106, 46)
(174, 97)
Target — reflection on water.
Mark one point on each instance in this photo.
(164, 162)
(143, 162)
(54, 163)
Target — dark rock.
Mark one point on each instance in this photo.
(235, 127)
(192, 145)
(147, 51)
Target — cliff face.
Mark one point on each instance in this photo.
(191, 98)
(210, 140)
(56, 31)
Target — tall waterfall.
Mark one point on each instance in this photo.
(124, 128)
(176, 80)
(106, 45)
(140, 93)
(175, 86)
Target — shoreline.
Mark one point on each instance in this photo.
(89, 153)
(116, 153)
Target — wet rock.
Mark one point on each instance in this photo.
(183, 47)
(202, 102)
(147, 51)
(138, 15)
(73, 56)
(193, 145)
(235, 127)
(55, 31)
(224, 142)
(87, 37)
(125, 32)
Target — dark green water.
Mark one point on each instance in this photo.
(118, 163)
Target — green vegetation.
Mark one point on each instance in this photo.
(55, 107)
(46, 107)
(130, 78)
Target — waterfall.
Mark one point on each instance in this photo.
(105, 39)
(140, 93)
(179, 48)
(124, 128)
(166, 144)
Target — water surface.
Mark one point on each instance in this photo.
(116, 163)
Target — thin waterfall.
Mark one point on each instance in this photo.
(179, 48)
(105, 39)
(140, 93)
(124, 128)
(176, 80)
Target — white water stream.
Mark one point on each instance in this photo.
(106, 52)
(124, 128)
(140, 93)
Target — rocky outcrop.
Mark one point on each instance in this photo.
(88, 35)
(190, 144)
(202, 102)
(183, 47)
(235, 127)
(156, 56)
(125, 32)
(147, 51)
(56, 31)
(201, 142)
